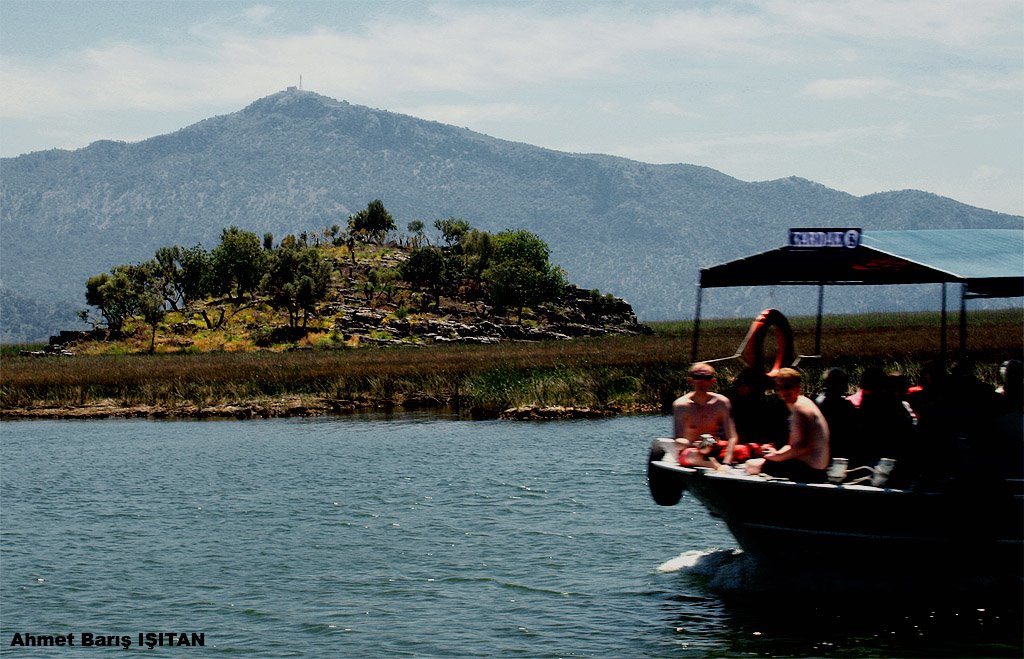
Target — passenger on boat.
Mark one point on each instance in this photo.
(759, 419)
(926, 397)
(839, 412)
(1011, 388)
(1009, 424)
(872, 379)
(884, 423)
(967, 409)
(703, 412)
(806, 457)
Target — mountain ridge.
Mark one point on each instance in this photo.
(298, 161)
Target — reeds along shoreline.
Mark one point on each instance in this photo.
(608, 374)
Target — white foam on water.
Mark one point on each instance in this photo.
(699, 561)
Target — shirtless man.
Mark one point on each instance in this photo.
(806, 457)
(703, 412)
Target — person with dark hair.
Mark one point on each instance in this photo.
(759, 419)
(884, 423)
(926, 397)
(839, 412)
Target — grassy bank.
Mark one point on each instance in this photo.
(641, 373)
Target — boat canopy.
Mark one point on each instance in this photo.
(987, 263)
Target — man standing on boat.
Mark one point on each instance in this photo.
(806, 457)
(703, 412)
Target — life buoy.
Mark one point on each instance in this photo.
(752, 348)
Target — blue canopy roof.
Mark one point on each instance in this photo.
(990, 262)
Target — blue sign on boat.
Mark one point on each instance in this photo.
(814, 238)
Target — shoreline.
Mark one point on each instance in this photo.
(292, 408)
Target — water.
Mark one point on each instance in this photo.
(409, 536)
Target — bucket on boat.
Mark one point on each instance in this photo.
(882, 471)
(837, 470)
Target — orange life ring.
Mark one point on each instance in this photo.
(752, 348)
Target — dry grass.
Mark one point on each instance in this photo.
(631, 372)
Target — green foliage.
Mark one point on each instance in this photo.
(128, 291)
(452, 229)
(182, 276)
(477, 247)
(416, 229)
(115, 295)
(298, 278)
(520, 274)
(380, 282)
(239, 263)
(196, 272)
(424, 270)
(372, 223)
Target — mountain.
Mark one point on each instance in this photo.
(298, 161)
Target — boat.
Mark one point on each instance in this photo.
(855, 522)
(854, 527)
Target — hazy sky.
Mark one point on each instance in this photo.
(863, 96)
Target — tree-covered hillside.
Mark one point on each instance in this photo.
(364, 283)
(296, 161)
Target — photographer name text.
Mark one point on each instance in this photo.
(90, 640)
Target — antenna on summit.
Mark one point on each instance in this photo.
(300, 82)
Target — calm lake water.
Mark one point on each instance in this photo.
(411, 536)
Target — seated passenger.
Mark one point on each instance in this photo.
(927, 396)
(1011, 387)
(839, 413)
(759, 419)
(884, 424)
(703, 412)
(806, 457)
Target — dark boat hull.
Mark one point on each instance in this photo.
(860, 527)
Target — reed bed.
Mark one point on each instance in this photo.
(617, 373)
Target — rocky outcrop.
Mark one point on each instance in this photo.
(579, 314)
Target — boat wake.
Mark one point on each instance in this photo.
(722, 569)
(732, 571)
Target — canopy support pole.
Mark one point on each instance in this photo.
(942, 325)
(817, 325)
(696, 325)
(963, 321)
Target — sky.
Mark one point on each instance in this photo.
(866, 96)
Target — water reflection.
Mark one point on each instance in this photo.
(773, 611)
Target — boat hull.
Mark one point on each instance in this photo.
(857, 527)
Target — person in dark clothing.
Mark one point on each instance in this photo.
(926, 396)
(880, 420)
(1011, 388)
(1008, 425)
(839, 412)
(758, 417)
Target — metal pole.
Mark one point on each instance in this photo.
(963, 320)
(942, 337)
(696, 326)
(817, 326)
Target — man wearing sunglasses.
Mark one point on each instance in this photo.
(703, 412)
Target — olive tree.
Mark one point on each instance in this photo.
(519, 274)
(298, 279)
(373, 222)
(239, 263)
